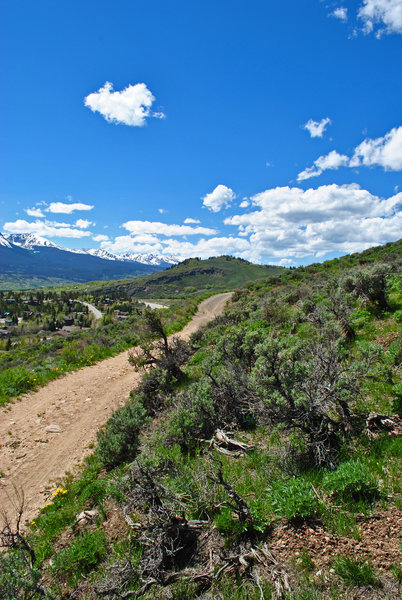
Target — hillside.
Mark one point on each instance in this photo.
(261, 460)
(192, 277)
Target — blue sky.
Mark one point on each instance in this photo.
(267, 130)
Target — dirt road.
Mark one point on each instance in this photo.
(47, 433)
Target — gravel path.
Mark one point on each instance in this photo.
(48, 433)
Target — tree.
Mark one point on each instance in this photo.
(165, 354)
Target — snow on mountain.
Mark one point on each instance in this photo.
(145, 259)
(4, 241)
(29, 241)
(102, 254)
(149, 259)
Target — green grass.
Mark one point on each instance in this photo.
(356, 572)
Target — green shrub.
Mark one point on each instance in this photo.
(398, 316)
(356, 572)
(294, 499)
(81, 557)
(118, 441)
(351, 482)
(17, 580)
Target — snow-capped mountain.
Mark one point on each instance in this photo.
(101, 253)
(149, 259)
(33, 242)
(27, 257)
(29, 241)
(4, 242)
(145, 259)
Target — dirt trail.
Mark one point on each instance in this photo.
(32, 457)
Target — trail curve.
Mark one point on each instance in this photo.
(32, 456)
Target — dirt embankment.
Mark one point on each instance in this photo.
(48, 432)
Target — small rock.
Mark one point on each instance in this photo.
(88, 399)
(53, 429)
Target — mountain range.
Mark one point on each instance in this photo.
(28, 260)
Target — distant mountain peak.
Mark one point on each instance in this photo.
(30, 241)
(4, 241)
(145, 259)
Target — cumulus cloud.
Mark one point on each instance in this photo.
(100, 238)
(290, 222)
(133, 243)
(155, 227)
(340, 13)
(219, 198)
(190, 220)
(386, 14)
(45, 229)
(83, 223)
(317, 128)
(131, 106)
(333, 160)
(384, 151)
(34, 212)
(67, 209)
(244, 204)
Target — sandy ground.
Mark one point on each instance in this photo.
(32, 458)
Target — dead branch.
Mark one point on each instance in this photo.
(13, 538)
(241, 507)
(226, 445)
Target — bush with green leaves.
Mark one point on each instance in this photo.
(193, 418)
(369, 284)
(351, 481)
(294, 499)
(118, 441)
(356, 572)
(18, 581)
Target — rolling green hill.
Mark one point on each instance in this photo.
(191, 277)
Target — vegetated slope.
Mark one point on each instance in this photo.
(32, 457)
(263, 460)
(193, 276)
(47, 266)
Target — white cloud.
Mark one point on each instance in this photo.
(385, 13)
(34, 212)
(67, 209)
(220, 197)
(138, 243)
(340, 13)
(155, 227)
(333, 160)
(83, 223)
(45, 229)
(161, 210)
(205, 248)
(291, 222)
(316, 128)
(131, 106)
(384, 151)
(190, 220)
(244, 204)
(100, 238)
